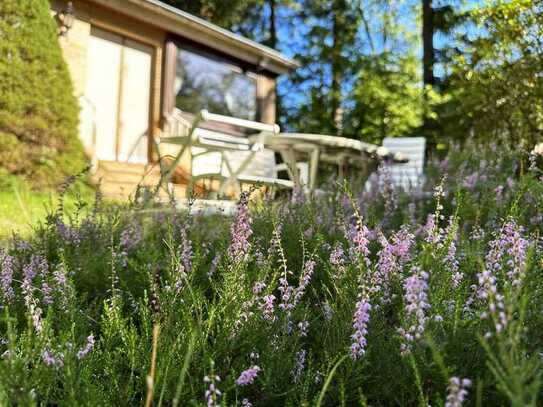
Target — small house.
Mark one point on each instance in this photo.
(133, 61)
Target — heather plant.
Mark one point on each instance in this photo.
(341, 299)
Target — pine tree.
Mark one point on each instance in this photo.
(38, 111)
(328, 60)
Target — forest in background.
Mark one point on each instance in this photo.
(444, 69)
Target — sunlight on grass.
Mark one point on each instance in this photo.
(21, 209)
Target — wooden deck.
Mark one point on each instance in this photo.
(120, 180)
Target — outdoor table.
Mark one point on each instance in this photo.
(296, 147)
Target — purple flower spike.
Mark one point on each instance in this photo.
(88, 347)
(416, 304)
(212, 394)
(248, 376)
(457, 391)
(6, 276)
(360, 325)
(241, 231)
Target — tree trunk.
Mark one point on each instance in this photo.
(272, 40)
(428, 42)
(337, 74)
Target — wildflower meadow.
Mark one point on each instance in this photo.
(362, 295)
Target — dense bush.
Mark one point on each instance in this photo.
(38, 111)
(378, 298)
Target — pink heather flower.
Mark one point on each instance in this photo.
(416, 304)
(258, 287)
(508, 248)
(61, 284)
(360, 326)
(450, 260)
(260, 260)
(287, 292)
(130, 237)
(248, 376)
(6, 276)
(50, 359)
(457, 391)
(337, 259)
(241, 231)
(305, 278)
(391, 259)
(88, 347)
(402, 243)
(46, 291)
(180, 278)
(298, 196)
(471, 180)
(360, 241)
(430, 230)
(303, 327)
(387, 188)
(37, 265)
(214, 263)
(185, 248)
(267, 307)
(246, 403)
(69, 234)
(300, 365)
(212, 393)
(499, 192)
(246, 313)
(510, 182)
(477, 233)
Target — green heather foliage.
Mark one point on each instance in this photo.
(38, 112)
(374, 298)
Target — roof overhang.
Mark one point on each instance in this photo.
(179, 22)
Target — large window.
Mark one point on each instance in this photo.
(204, 82)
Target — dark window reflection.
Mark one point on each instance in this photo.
(203, 82)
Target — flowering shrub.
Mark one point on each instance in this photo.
(378, 297)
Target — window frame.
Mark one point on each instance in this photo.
(176, 44)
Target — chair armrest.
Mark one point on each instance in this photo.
(303, 169)
(248, 124)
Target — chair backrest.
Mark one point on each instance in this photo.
(410, 174)
(263, 164)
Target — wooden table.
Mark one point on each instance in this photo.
(316, 148)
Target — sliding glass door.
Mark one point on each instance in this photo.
(118, 87)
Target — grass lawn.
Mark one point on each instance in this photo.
(21, 208)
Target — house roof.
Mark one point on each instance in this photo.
(204, 32)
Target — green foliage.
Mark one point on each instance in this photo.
(361, 79)
(328, 59)
(223, 13)
(38, 112)
(495, 86)
(387, 98)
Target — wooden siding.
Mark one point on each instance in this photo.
(266, 99)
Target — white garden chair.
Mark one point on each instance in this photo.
(407, 175)
(232, 160)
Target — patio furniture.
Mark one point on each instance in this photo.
(410, 174)
(233, 160)
(296, 148)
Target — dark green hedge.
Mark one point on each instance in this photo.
(38, 110)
